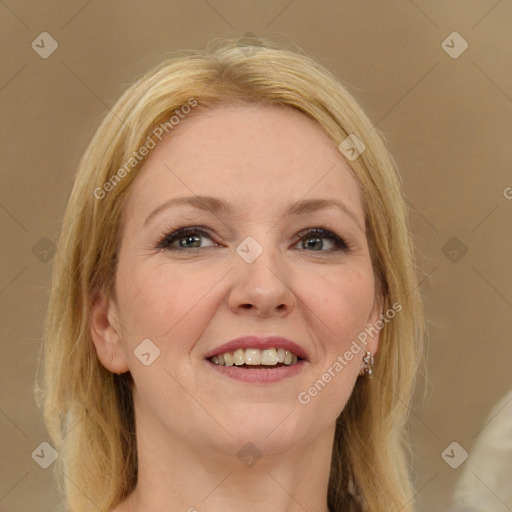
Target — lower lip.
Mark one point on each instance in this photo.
(259, 375)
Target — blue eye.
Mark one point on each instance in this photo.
(313, 239)
(190, 239)
(187, 238)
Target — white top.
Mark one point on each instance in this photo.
(485, 484)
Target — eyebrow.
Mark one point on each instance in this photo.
(217, 206)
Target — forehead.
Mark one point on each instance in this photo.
(256, 157)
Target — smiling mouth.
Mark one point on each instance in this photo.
(254, 358)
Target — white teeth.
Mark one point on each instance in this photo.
(255, 357)
(252, 356)
(238, 357)
(269, 357)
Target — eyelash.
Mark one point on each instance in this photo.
(167, 240)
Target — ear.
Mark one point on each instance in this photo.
(375, 324)
(106, 332)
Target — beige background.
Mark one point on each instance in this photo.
(448, 122)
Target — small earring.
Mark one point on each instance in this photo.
(369, 361)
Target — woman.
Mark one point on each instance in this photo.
(235, 266)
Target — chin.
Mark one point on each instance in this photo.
(272, 428)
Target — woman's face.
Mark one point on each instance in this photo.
(255, 186)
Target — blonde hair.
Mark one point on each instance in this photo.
(89, 411)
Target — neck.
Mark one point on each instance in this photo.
(174, 476)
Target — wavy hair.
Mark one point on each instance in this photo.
(89, 412)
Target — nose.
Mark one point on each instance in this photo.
(261, 288)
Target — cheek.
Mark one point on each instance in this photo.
(341, 305)
(342, 302)
(159, 303)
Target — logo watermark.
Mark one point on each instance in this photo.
(304, 397)
(138, 156)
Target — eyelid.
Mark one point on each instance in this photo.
(172, 234)
(324, 232)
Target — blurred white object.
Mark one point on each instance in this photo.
(486, 481)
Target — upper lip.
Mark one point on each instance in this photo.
(260, 343)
